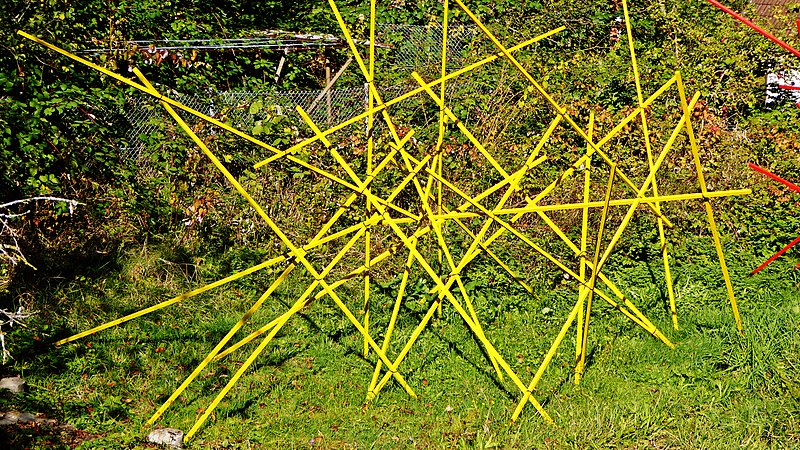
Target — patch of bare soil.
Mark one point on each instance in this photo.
(23, 431)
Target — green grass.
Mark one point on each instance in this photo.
(717, 389)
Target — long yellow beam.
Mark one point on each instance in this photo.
(597, 204)
(701, 179)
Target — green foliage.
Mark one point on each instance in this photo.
(140, 240)
(717, 389)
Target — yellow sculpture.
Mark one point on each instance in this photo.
(425, 175)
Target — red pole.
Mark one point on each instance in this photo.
(766, 172)
(776, 255)
(750, 24)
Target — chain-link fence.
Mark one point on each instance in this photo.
(419, 47)
(326, 108)
(412, 47)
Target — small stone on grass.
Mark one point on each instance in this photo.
(14, 384)
(171, 437)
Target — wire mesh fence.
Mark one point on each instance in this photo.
(412, 47)
(419, 47)
(237, 108)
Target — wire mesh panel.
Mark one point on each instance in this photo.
(146, 117)
(238, 108)
(413, 47)
(332, 106)
(420, 46)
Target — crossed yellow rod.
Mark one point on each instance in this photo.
(559, 109)
(582, 291)
(547, 190)
(299, 255)
(467, 319)
(695, 152)
(361, 190)
(330, 176)
(373, 93)
(376, 218)
(419, 233)
(606, 205)
(463, 129)
(488, 157)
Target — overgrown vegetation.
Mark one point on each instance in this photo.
(139, 240)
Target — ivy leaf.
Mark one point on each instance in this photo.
(256, 107)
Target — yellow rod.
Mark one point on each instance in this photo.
(392, 321)
(548, 358)
(599, 204)
(595, 271)
(213, 353)
(687, 108)
(646, 133)
(582, 292)
(440, 138)
(370, 148)
(173, 300)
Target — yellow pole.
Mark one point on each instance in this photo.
(687, 108)
(582, 291)
(173, 300)
(440, 138)
(370, 149)
(579, 368)
(548, 357)
(646, 133)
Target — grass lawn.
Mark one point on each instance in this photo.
(716, 389)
